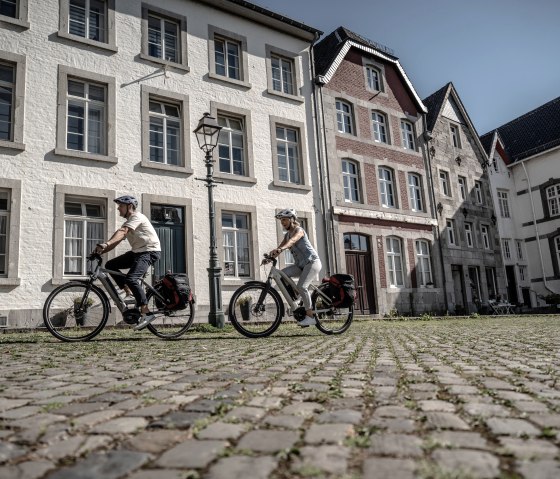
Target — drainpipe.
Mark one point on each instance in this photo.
(536, 228)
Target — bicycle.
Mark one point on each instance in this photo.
(256, 308)
(79, 310)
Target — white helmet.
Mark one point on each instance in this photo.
(287, 213)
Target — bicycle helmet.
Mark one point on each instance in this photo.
(127, 200)
(287, 213)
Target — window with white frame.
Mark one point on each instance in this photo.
(455, 138)
(86, 116)
(444, 183)
(491, 282)
(165, 133)
(522, 273)
(469, 234)
(351, 179)
(386, 187)
(379, 124)
(84, 227)
(288, 257)
(237, 252)
(88, 19)
(450, 227)
(462, 187)
(503, 204)
(227, 57)
(231, 145)
(520, 254)
(395, 262)
(553, 198)
(423, 262)
(407, 133)
(164, 38)
(484, 232)
(415, 192)
(506, 248)
(9, 8)
(287, 149)
(374, 78)
(344, 117)
(557, 244)
(282, 74)
(478, 192)
(7, 103)
(4, 230)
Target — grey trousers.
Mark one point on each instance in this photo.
(305, 276)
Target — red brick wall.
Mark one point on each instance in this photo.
(412, 263)
(381, 261)
(371, 188)
(402, 185)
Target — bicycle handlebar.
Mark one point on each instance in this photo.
(95, 256)
(269, 259)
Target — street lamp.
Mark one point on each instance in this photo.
(207, 133)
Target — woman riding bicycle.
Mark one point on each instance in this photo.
(307, 262)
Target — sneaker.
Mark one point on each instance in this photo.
(307, 321)
(145, 319)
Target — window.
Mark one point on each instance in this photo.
(415, 192)
(503, 204)
(351, 179)
(386, 187)
(4, 230)
(507, 251)
(495, 163)
(478, 192)
(553, 197)
(9, 8)
(14, 12)
(450, 226)
(231, 145)
(462, 187)
(89, 21)
(88, 107)
(394, 262)
(379, 123)
(469, 235)
(237, 257)
(455, 138)
(519, 245)
(165, 133)
(374, 78)
(84, 227)
(7, 103)
(557, 244)
(282, 74)
(228, 57)
(485, 236)
(10, 205)
(444, 183)
(344, 118)
(522, 273)
(288, 153)
(423, 262)
(407, 132)
(355, 242)
(12, 89)
(164, 37)
(491, 282)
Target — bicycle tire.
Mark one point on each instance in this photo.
(169, 324)
(267, 315)
(71, 323)
(335, 322)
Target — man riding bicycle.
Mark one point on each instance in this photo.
(146, 250)
(307, 263)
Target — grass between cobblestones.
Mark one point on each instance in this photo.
(461, 398)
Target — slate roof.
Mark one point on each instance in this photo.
(433, 104)
(531, 133)
(486, 141)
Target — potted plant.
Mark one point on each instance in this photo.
(80, 313)
(244, 303)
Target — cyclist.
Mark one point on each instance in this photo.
(307, 262)
(146, 250)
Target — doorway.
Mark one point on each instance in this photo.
(458, 288)
(511, 284)
(169, 223)
(359, 264)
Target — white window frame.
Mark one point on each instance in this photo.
(455, 135)
(423, 262)
(415, 192)
(392, 267)
(553, 199)
(503, 203)
(351, 181)
(462, 181)
(507, 248)
(231, 133)
(444, 183)
(478, 192)
(374, 78)
(5, 232)
(522, 272)
(21, 18)
(379, 126)
(557, 244)
(18, 64)
(276, 145)
(216, 35)
(485, 234)
(387, 187)
(407, 133)
(274, 53)
(163, 45)
(519, 246)
(469, 234)
(285, 68)
(292, 163)
(236, 232)
(166, 121)
(344, 117)
(86, 19)
(451, 235)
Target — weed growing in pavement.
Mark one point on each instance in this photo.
(430, 470)
(361, 438)
(309, 471)
(548, 432)
(51, 406)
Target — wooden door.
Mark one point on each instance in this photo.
(359, 265)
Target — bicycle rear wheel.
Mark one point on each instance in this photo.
(254, 318)
(76, 311)
(331, 320)
(169, 324)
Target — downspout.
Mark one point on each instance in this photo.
(536, 228)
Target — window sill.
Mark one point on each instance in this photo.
(291, 186)
(14, 21)
(10, 281)
(287, 96)
(232, 178)
(85, 156)
(12, 145)
(165, 63)
(87, 41)
(164, 167)
(233, 81)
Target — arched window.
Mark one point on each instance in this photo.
(395, 262)
(407, 132)
(379, 124)
(415, 192)
(423, 263)
(351, 179)
(344, 119)
(386, 187)
(355, 242)
(374, 78)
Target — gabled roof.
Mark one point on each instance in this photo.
(533, 132)
(331, 50)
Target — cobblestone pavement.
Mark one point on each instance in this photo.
(440, 399)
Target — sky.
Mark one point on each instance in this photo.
(501, 55)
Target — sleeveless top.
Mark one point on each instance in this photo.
(302, 251)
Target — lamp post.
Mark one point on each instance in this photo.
(207, 133)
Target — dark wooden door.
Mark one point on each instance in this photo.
(359, 265)
(169, 224)
(511, 285)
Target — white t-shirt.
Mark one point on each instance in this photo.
(141, 235)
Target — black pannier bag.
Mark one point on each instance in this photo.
(177, 290)
(342, 290)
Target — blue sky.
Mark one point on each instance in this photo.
(501, 55)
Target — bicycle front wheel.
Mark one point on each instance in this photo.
(76, 311)
(330, 320)
(169, 324)
(253, 316)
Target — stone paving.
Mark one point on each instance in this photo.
(470, 398)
